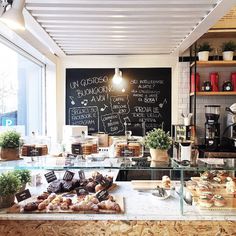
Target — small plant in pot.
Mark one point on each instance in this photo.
(9, 185)
(10, 145)
(228, 49)
(158, 141)
(203, 51)
(24, 176)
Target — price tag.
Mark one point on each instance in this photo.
(81, 191)
(105, 183)
(81, 175)
(21, 196)
(50, 176)
(68, 176)
(102, 195)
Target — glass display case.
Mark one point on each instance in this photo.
(126, 188)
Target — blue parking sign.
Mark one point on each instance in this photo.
(8, 121)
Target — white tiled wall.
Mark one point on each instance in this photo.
(223, 101)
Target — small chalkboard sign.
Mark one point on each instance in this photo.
(68, 176)
(81, 191)
(50, 176)
(81, 175)
(105, 183)
(102, 195)
(21, 196)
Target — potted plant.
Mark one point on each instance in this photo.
(10, 144)
(158, 141)
(228, 49)
(24, 176)
(203, 51)
(9, 185)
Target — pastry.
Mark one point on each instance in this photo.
(109, 205)
(42, 206)
(230, 185)
(223, 175)
(55, 186)
(217, 180)
(85, 206)
(203, 187)
(91, 186)
(51, 196)
(166, 182)
(207, 194)
(52, 206)
(205, 201)
(31, 206)
(57, 200)
(219, 201)
(43, 196)
(207, 175)
(99, 187)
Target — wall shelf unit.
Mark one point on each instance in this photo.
(231, 93)
(213, 63)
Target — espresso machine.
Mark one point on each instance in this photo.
(212, 127)
(229, 135)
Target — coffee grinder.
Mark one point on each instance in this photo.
(212, 127)
(229, 135)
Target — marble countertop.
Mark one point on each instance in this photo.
(139, 205)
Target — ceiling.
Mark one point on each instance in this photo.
(121, 27)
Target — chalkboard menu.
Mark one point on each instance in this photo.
(143, 96)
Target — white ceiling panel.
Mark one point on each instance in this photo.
(120, 26)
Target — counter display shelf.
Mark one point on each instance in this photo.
(137, 202)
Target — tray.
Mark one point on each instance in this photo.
(18, 208)
(147, 184)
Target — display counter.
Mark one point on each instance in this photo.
(143, 211)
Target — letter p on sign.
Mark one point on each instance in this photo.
(8, 121)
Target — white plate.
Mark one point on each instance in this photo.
(164, 197)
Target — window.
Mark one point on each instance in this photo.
(21, 92)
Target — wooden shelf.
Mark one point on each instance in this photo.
(231, 93)
(214, 63)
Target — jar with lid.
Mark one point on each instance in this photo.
(90, 145)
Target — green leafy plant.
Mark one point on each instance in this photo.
(158, 139)
(10, 139)
(23, 175)
(205, 46)
(9, 184)
(228, 46)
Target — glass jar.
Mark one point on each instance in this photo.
(124, 148)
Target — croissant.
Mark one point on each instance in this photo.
(109, 205)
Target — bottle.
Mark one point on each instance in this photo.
(216, 55)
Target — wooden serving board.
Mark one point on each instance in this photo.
(146, 184)
(18, 208)
(219, 189)
(230, 205)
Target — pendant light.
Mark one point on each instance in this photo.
(117, 78)
(13, 17)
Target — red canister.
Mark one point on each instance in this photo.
(214, 78)
(233, 80)
(197, 82)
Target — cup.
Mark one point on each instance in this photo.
(187, 121)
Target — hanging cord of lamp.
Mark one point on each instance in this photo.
(11, 13)
(117, 78)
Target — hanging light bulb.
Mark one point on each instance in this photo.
(117, 78)
(13, 17)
